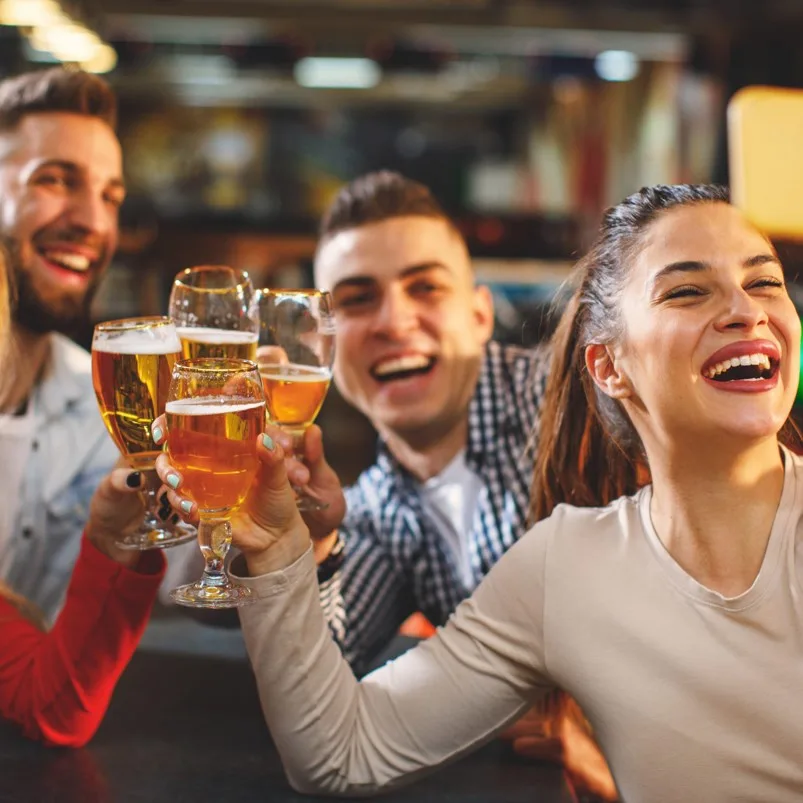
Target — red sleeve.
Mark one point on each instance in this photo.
(57, 685)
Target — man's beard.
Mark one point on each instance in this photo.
(30, 310)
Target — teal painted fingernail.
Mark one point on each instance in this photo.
(157, 434)
(172, 480)
(186, 506)
(267, 442)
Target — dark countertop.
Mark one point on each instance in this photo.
(188, 729)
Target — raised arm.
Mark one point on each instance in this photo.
(341, 736)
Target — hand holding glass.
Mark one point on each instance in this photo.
(296, 352)
(132, 361)
(215, 412)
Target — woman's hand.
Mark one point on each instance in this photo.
(116, 508)
(267, 528)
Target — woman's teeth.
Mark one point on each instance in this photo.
(761, 361)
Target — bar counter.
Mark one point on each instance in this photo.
(188, 729)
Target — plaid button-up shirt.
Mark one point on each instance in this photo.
(395, 560)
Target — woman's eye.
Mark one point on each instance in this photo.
(767, 281)
(687, 291)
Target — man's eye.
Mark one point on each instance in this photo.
(423, 288)
(52, 179)
(358, 300)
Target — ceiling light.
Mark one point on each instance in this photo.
(71, 42)
(617, 65)
(337, 73)
(104, 60)
(30, 13)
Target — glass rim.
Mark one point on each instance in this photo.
(215, 365)
(241, 284)
(126, 324)
(294, 291)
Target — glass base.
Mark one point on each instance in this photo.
(202, 595)
(158, 537)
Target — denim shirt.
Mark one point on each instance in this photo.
(70, 453)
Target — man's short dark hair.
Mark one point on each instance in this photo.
(379, 196)
(56, 90)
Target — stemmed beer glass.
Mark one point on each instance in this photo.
(212, 307)
(132, 361)
(215, 411)
(295, 356)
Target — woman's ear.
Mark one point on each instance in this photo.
(604, 368)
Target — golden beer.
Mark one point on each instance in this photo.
(294, 393)
(212, 441)
(204, 341)
(131, 378)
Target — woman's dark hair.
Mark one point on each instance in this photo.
(589, 453)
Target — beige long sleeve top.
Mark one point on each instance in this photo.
(692, 696)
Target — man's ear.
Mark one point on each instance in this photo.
(602, 365)
(484, 311)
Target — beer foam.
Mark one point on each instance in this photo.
(210, 405)
(293, 372)
(138, 341)
(207, 334)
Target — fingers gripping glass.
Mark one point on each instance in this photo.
(212, 307)
(295, 356)
(215, 411)
(132, 361)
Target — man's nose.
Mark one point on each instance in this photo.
(90, 211)
(396, 314)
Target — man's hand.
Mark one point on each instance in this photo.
(310, 471)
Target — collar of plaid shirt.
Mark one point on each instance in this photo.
(492, 412)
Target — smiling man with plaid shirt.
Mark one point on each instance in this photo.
(456, 414)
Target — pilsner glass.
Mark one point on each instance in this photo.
(132, 361)
(296, 352)
(212, 309)
(215, 412)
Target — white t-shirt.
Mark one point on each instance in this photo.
(692, 695)
(450, 499)
(16, 435)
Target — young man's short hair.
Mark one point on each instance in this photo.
(56, 90)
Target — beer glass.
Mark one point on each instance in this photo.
(296, 352)
(215, 411)
(212, 307)
(132, 361)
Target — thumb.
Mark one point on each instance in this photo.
(119, 483)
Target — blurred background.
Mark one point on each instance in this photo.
(240, 119)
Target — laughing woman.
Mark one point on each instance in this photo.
(56, 684)
(673, 615)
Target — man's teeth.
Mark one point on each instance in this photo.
(68, 260)
(400, 364)
(761, 360)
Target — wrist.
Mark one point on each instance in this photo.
(286, 551)
(322, 547)
(104, 542)
(332, 561)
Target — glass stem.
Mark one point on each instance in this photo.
(150, 488)
(214, 538)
